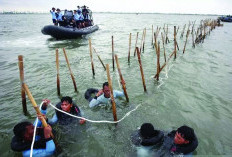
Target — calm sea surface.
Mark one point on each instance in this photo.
(195, 89)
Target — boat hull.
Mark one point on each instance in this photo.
(60, 32)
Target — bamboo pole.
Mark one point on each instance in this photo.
(111, 93)
(141, 69)
(145, 32)
(136, 43)
(113, 51)
(44, 123)
(152, 37)
(21, 74)
(91, 56)
(142, 41)
(175, 42)
(193, 38)
(129, 48)
(156, 46)
(167, 40)
(177, 30)
(163, 46)
(57, 72)
(158, 62)
(99, 59)
(182, 34)
(73, 79)
(121, 78)
(34, 103)
(186, 40)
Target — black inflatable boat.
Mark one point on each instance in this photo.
(68, 32)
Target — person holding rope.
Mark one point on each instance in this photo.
(66, 105)
(21, 142)
(102, 96)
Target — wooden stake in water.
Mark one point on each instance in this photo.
(44, 123)
(145, 32)
(111, 93)
(167, 39)
(175, 42)
(113, 51)
(129, 48)
(136, 42)
(34, 103)
(186, 40)
(121, 78)
(142, 41)
(182, 34)
(73, 79)
(21, 74)
(163, 46)
(141, 69)
(57, 73)
(152, 36)
(91, 56)
(158, 62)
(156, 46)
(99, 58)
(193, 37)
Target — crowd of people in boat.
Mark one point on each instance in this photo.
(79, 18)
(181, 141)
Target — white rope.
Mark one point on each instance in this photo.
(35, 127)
(94, 121)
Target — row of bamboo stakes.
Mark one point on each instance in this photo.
(137, 50)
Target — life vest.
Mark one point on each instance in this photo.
(66, 119)
(89, 93)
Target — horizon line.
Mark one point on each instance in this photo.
(110, 12)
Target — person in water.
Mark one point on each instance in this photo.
(23, 135)
(147, 135)
(181, 141)
(103, 96)
(53, 15)
(66, 105)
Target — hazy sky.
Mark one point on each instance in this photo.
(150, 6)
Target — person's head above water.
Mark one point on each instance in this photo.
(184, 135)
(106, 89)
(66, 103)
(24, 131)
(147, 130)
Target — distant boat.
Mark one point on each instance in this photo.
(68, 32)
(226, 18)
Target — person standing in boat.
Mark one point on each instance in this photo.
(85, 13)
(78, 19)
(60, 17)
(53, 15)
(78, 8)
(103, 96)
